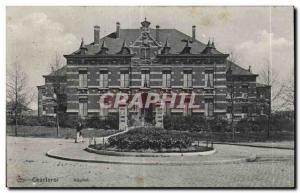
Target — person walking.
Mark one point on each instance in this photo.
(78, 132)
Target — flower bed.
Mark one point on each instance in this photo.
(152, 140)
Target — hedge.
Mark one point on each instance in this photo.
(109, 122)
(194, 123)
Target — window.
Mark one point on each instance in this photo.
(83, 108)
(244, 91)
(103, 79)
(44, 108)
(82, 79)
(245, 109)
(229, 109)
(145, 53)
(187, 79)
(145, 79)
(230, 88)
(209, 79)
(55, 109)
(245, 88)
(229, 91)
(166, 79)
(124, 79)
(262, 110)
(209, 108)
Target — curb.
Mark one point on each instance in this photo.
(258, 146)
(251, 158)
(145, 154)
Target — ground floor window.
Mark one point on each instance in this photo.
(83, 108)
(209, 108)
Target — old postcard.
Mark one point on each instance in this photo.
(143, 96)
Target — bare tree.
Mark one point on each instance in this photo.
(232, 57)
(54, 67)
(288, 94)
(56, 63)
(269, 77)
(19, 95)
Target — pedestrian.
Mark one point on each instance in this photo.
(80, 137)
(78, 132)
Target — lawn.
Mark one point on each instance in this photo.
(51, 132)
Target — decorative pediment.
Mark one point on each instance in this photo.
(145, 39)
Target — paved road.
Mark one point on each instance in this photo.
(27, 165)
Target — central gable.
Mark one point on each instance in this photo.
(145, 47)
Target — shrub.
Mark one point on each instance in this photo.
(194, 123)
(69, 121)
(33, 121)
(250, 124)
(109, 122)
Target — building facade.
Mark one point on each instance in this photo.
(148, 60)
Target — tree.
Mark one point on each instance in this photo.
(288, 94)
(56, 64)
(57, 93)
(269, 77)
(19, 95)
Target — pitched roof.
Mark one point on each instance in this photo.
(60, 72)
(173, 36)
(237, 70)
(262, 85)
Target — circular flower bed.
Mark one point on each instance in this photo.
(152, 140)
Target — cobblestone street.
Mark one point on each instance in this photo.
(27, 165)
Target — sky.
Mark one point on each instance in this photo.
(253, 35)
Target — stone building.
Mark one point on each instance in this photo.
(153, 60)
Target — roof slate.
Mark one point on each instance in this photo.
(173, 36)
(60, 72)
(237, 70)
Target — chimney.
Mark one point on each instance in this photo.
(194, 32)
(157, 33)
(249, 69)
(96, 34)
(117, 30)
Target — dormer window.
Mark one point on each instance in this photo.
(145, 52)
